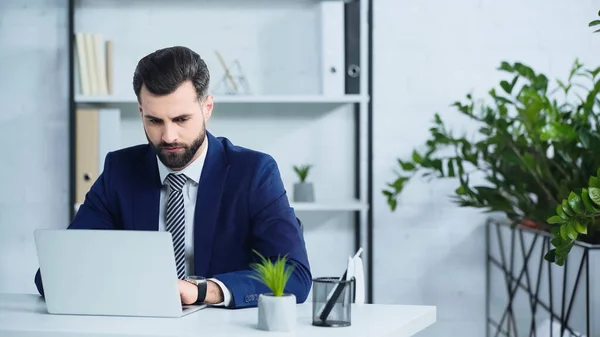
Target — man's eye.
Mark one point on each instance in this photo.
(180, 120)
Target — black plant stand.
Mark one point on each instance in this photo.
(526, 295)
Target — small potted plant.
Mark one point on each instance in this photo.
(303, 190)
(277, 309)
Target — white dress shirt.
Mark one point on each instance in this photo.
(190, 193)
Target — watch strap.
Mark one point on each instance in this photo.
(201, 292)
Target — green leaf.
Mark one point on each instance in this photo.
(557, 241)
(594, 182)
(564, 232)
(571, 232)
(557, 131)
(594, 23)
(550, 255)
(561, 213)
(506, 67)
(407, 166)
(576, 203)
(416, 157)
(274, 275)
(587, 202)
(506, 86)
(398, 184)
(564, 248)
(302, 171)
(585, 139)
(566, 208)
(594, 193)
(556, 220)
(529, 161)
(393, 203)
(578, 226)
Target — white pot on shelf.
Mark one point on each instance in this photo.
(277, 313)
(304, 192)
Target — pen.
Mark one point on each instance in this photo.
(336, 292)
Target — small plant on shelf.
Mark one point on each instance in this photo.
(302, 172)
(303, 190)
(277, 309)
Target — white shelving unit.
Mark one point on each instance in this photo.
(287, 115)
(244, 99)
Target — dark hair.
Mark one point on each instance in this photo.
(166, 69)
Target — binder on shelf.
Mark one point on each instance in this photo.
(352, 46)
(86, 152)
(97, 133)
(332, 48)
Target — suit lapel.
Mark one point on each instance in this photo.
(210, 191)
(146, 195)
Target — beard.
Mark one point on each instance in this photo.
(177, 160)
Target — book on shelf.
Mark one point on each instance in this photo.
(94, 64)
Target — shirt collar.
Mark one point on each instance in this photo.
(192, 171)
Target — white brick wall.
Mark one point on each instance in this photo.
(428, 54)
(33, 133)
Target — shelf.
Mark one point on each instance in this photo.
(316, 206)
(246, 99)
(320, 206)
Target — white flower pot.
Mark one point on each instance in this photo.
(277, 313)
(304, 192)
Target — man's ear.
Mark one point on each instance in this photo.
(140, 110)
(208, 107)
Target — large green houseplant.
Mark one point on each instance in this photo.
(577, 213)
(536, 141)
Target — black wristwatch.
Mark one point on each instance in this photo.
(201, 284)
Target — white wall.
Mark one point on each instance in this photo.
(428, 54)
(33, 132)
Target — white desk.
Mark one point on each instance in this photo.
(26, 316)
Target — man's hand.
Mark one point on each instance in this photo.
(189, 292)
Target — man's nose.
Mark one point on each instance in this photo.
(169, 134)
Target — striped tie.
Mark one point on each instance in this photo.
(175, 221)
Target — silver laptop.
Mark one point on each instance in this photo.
(109, 272)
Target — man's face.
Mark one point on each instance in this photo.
(175, 124)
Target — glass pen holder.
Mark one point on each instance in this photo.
(332, 301)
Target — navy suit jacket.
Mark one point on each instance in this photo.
(241, 205)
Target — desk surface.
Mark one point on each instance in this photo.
(25, 315)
